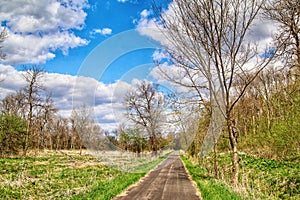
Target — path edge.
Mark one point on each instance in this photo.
(198, 193)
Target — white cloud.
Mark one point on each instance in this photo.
(68, 91)
(104, 31)
(159, 55)
(37, 28)
(130, 1)
(145, 13)
(150, 27)
(33, 49)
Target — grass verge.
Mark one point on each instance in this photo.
(209, 187)
(259, 178)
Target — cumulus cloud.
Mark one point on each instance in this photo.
(104, 31)
(150, 27)
(37, 28)
(34, 49)
(68, 91)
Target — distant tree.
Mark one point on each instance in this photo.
(45, 114)
(12, 134)
(145, 107)
(132, 139)
(85, 132)
(42, 113)
(14, 104)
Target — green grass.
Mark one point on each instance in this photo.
(209, 187)
(55, 175)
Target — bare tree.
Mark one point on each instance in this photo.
(287, 14)
(57, 135)
(145, 106)
(14, 104)
(33, 97)
(45, 115)
(207, 40)
(84, 129)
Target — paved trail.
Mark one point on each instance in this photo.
(169, 181)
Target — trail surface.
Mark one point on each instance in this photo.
(169, 180)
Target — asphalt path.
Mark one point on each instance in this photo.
(168, 181)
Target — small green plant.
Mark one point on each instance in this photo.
(274, 178)
(209, 187)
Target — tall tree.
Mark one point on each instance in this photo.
(207, 40)
(33, 97)
(145, 106)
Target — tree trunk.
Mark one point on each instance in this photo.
(26, 141)
(216, 162)
(235, 156)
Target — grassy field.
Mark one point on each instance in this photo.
(65, 175)
(259, 178)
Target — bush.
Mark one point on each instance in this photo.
(12, 134)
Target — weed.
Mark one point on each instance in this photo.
(209, 187)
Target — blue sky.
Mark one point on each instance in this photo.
(112, 15)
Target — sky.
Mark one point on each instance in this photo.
(52, 33)
(92, 50)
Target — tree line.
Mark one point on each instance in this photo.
(29, 120)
